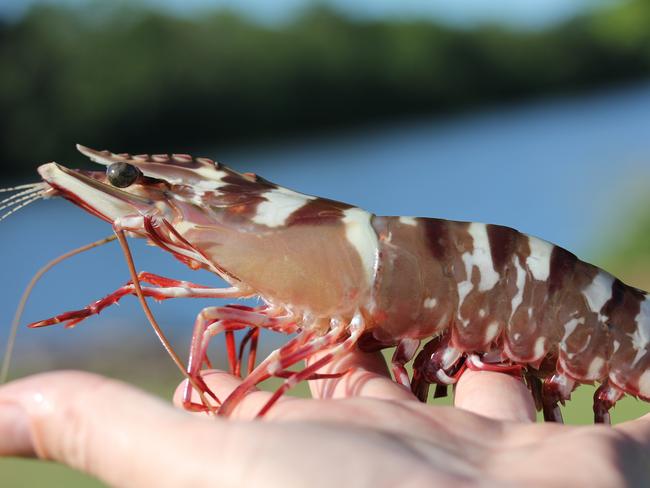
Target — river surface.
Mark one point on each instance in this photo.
(566, 169)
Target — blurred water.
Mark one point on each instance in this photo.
(563, 169)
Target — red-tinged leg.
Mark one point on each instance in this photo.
(198, 356)
(555, 390)
(252, 351)
(475, 363)
(168, 288)
(437, 363)
(302, 347)
(404, 352)
(316, 376)
(242, 347)
(213, 320)
(230, 351)
(605, 398)
(164, 282)
(293, 379)
(201, 386)
(261, 373)
(251, 338)
(309, 371)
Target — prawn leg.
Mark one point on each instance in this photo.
(228, 319)
(299, 348)
(267, 368)
(166, 288)
(605, 398)
(437, 363)
(475, 363)
(404, 352)
(555, 390)
(310, 371)
(252, 337)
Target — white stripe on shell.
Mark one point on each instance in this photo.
(280, 203)
(539, 260)
(538, 350)
(643, 321)
(464, 287)
(481, 257)
(641, 335)
(491, 332)
(639, 344)
(569, 327)
(211, 178)
(430, 302)
(360, 233)
(598, 292)
(521, 283)
(595, 369)
(408, 221)
(201, 179)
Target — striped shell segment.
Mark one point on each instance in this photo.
(497, 287)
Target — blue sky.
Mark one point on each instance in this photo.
(521, 13)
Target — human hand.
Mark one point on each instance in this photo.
(370, 432)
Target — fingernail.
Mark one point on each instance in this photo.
(15, 431)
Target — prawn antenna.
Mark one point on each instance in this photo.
(22, 196)
(11, 340)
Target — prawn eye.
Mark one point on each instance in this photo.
(122, 175)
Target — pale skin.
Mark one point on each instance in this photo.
(368, 432)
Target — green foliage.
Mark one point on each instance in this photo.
(26, 473)
(134, 79)
(637, 245)
(628, 255)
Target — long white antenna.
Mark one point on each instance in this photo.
(21, 187)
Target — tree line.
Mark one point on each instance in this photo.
(136, 79)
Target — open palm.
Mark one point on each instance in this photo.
(359, 430)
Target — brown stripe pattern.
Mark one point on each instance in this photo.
(499, 289)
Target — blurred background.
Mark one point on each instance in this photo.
(534, 115)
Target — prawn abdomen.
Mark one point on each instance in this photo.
(493, 286)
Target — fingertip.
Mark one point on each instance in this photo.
(221, 383)
(17, 431)
(55, 415)
(639, 429)
(495, 395)
(365, 375)
(27, 403)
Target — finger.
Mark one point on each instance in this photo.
(638, 430)
(101, 427)
(494, 395)
(222, 384)
(366, 375)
